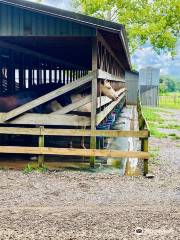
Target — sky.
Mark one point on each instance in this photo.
(144, 56)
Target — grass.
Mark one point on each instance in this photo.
(154, 149)
(155, 132)
(170, 126)
(154, 153)
(154, 120)
(151, 115)
(35, 168)
(170, 100)
(176, 137)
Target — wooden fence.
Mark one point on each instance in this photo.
(172, 100)
(41, 132)
(41, 150)
(143, 126)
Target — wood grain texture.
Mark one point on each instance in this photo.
(73, 132)
(73, 152)
(73, 106)
(105, 75)
(47, 97)
(47, 119)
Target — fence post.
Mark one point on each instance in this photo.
(144, 148)
(41, 144)
(94, 99)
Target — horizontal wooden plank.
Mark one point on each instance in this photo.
(73, 132)
(49, 96)
(105, 75)
(73, 152)
(73, 106)
(47, 119)
(108, 109)
(103, 100)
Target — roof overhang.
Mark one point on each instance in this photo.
(76, 17)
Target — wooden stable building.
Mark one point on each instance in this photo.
(41, 44)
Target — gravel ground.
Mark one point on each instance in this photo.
(83, 205)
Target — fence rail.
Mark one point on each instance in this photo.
(41, 150)
(170, 100)
(41, 132)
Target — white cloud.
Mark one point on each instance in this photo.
(64, 4)
(146, 56)
(143, 57)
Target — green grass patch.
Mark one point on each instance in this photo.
(155, 132)
(151, 115)
(155, 161)
(170, 100)
(153, 155)
(154, 121)
(154, 149)
(35, 168)
(174, 136)
(170, 126)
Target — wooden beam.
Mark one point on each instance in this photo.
(108, 109)
(73, 152)
(145, 144)
(73, 132)
(94, 98)
(47, 119)
(103, 100)
(103, 41)
(36, 54)
(54, 94)
(73, 106)
(41, 144)
(105, 75)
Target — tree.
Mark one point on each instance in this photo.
(169, 84)
(39, 1)
(155, 21)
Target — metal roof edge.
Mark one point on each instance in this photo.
(69, 15)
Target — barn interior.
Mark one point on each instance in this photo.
(43, 45)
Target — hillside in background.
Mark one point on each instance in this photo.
(169, 84)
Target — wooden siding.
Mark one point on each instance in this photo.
(15, 21)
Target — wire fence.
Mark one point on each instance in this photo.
(171, 100)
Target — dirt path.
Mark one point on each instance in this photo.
(82, 205)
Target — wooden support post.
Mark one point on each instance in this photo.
(41, 144)
(21, 73)
(94, 99)
(144, 147)
(71, 75)
(55, 75)
(30, 80)
(50, 74)
(1, 75)
(11, 74)
(64, 77)
(44, 75)
(67, 76)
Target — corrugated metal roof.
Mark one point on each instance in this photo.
(111, 26)
(75, 17)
